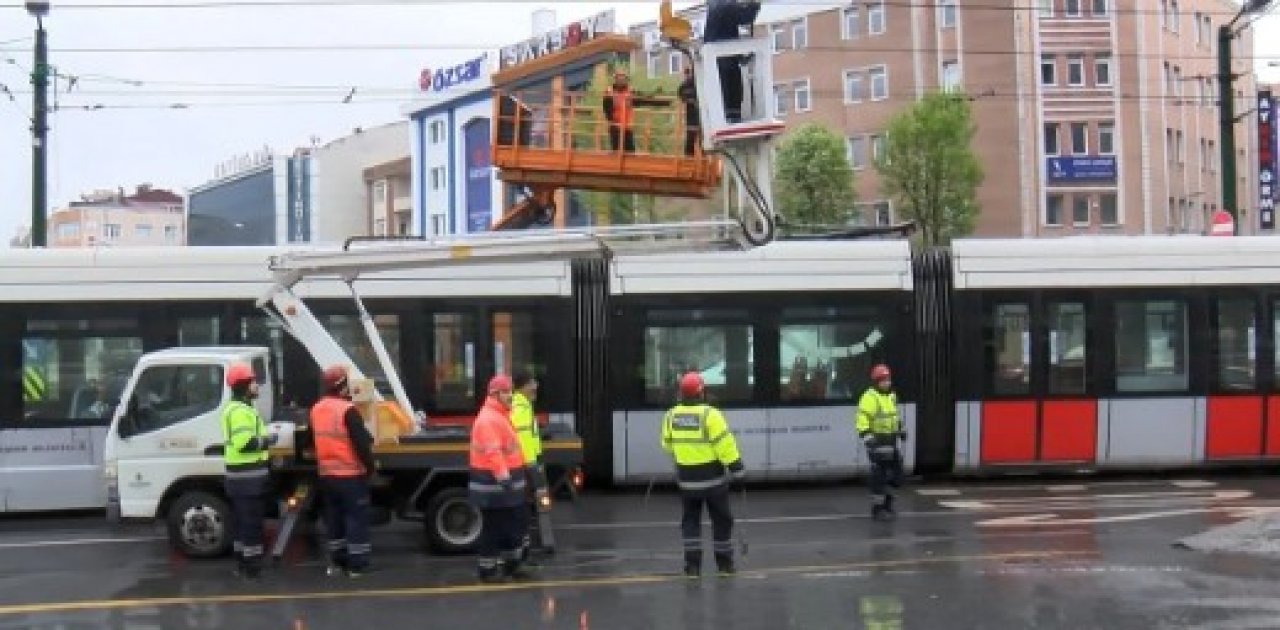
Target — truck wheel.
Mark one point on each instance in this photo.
(452, 523)
(200, 524)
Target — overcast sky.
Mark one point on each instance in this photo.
(242, 99)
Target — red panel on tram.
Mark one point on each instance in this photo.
(1069, 431)
(1234, 427)
(1008, 431)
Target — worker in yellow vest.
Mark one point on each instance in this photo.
(539, 538)
(245, 455)
(706, 456)
(880, 429)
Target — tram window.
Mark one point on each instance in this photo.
(75, 370)
(1009, 349)
(827, 353)
(1068, 362)
(199, 331)
(454, 361)
(349, 333)
(721, 352)
(169, 394)
(513, 343)
(1151, 346)
(1237, 345)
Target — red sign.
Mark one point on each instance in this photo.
(1223, 224)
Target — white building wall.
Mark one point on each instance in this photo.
(339, 197)
(435, 155)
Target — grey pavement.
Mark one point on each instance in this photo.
(1082, 554)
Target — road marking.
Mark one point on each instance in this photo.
(1194, 483)
(468, 589)
(74, 542)
(1057, 520)
(1097, 500)
(1074, 487)
(938, 492)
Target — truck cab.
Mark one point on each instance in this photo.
(163, 452)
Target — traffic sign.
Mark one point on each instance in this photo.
(1223, 224)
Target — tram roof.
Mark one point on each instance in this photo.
(1115, 261)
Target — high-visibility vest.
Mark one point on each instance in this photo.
(878, 413)
(240, 425)
(335, 455)
(526, 426)
(33, 385)
(495, 456)
(623, 107)
(699, 442)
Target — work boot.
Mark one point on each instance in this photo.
(888, 506)
(516, 570)
(878, 513)
(724, 566)
(693, 564)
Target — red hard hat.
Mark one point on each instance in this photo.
(691, 385)
(500, 383)
(333, 376)
(880, 372)
(238, 373)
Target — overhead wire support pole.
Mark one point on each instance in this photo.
(39, 126)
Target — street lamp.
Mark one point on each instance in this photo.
(1226, 105)
(39, 125)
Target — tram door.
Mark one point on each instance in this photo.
(1243, 410)
(1037, 404)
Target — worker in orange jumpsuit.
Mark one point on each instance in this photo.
(498, 487)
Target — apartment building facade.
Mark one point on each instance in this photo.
(1093, 116)
(147, 217)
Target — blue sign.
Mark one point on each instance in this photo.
(479, 188)
(1266, 160)
(1081, 168)
(444, 78)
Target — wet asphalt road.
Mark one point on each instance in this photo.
(991, 555)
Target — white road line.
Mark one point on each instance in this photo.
(1068, 488)
(1194, 483)
(938, 492)
(73, 542)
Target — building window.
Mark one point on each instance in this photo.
(171, 233)
(437, 177)
(111, 231)
(380, 227)
(142, 230)
(777, 35)
(1079, 138)
(946, 13)
(1109, 209)
(857, 152)
(1176, 85)
(1181, 147)
(782, 99)
(674, 62)
(1107, 138)
(853, 86)
(1071, 8)
(1080, 210)
(380, 193)
(1051, 139)
(438, 225)
(875, 18)
(950, 76)
(1048, 70)
(1102, 69)
(68, 230)
(884, 213)
(877, 148)
(437, 131)
(879, 83)
(1174, 16)
(652, 62)
(1196, 23)
(1053, 209)
(802, 96)
(849, 25)
(800, 34)
(1046, 8)
(1075, 70)
(1100, 8)
(1213, 157)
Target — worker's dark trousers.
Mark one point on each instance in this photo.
(628, 139)
(247, 491)
(346, 520)
(502, 538)
(717, 502)
(886, 473)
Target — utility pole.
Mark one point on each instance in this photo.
(39, 127)
(1227, 107)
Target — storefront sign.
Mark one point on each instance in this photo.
(478, 189)
(557, 40)
(1266, 160)
(1084, 168)
(442, 79)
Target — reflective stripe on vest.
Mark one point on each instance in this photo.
(623, 108)
(335, 455)
(239, 419)
(33, 386)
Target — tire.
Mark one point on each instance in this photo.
(452, 522)
(200, 524)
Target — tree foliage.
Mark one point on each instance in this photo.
(930, 169)
(813, 182)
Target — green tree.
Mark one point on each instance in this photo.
(930, 169)
(813, 181)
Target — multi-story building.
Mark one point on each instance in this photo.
(149, 216)
(1093, 116)
(389, 191)
(257, 199)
